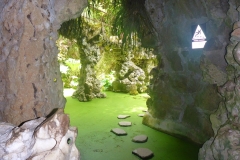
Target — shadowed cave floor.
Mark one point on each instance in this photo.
(95, 119)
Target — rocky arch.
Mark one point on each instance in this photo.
(30, 82)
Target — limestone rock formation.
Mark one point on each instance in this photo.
(30, 81)
(226, 120)
(41, 138)
(89, 86)
(183, 95)
(131, 79)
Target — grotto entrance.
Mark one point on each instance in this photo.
(105, 54)
(107, 63)
(31, 84)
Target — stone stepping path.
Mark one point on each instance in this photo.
(141, 115)
(125, 124)
(143, 153)
(123, 116)
(119, 132)
(140, 139)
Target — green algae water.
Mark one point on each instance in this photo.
(96, 118)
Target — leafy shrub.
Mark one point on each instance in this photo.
(133, 89)
(106, 81)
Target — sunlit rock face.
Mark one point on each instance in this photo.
(130, 78)
(89, 86)
(225, 143)
(41, 138)
(89, 44)
(183, 89)
(30, 81)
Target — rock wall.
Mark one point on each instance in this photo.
(225, 121)
(183, 89)
(30, 81)
(89, 86)
(42, 138)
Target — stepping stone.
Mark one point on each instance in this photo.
(125, 124)
(119, 132)
(140, 138)
(143, 153)
(123, 116)
(141, 115)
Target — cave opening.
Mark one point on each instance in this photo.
(192, 94)
(121, 68)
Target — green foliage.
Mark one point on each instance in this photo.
(133, 90)
(70, 73)
(98, 23)
(67, 49)
(132, 21)
(128, 19)
(107, 80)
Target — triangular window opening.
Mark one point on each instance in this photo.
(199, 38)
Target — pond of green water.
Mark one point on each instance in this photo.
(95, 119)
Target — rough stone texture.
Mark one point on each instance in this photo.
(89, 86)
(141, 115)
(41, 138)
(123, 116)
(119, 132)
(225, 143)
(30, 81)
(125, 124)
(130, 77)
(90, 53)
(140, 139)
(143, 153)
(183, 95)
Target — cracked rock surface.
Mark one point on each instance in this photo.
(41, 138)
(30, 81)
(225, 120)
(182, 94)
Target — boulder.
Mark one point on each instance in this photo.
(41, 138)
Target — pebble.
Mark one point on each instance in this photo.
(141, 115)
(143, 153)
(125, 124)
(123, 116)
(140, 138)
(119, 132)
